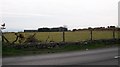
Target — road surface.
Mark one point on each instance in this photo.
(103, 56)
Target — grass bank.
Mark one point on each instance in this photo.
(7, 52)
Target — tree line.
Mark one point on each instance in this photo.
(61, 29)
(57, 29)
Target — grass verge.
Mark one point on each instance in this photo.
(7, 52)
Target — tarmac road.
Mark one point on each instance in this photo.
(103, 56)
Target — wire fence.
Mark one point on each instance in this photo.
(71, 36)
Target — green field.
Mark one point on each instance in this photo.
(69, 36)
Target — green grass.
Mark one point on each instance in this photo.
(7, 52)
(69, 36)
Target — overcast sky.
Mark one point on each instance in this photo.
(33, 14)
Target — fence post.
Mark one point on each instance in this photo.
(63, 35)
(91, 34)
(114, 33)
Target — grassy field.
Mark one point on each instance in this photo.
(69, 36)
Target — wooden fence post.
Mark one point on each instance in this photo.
(91, 34)
(113, 33)
(63, 35)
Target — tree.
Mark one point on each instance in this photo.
(74, 30)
